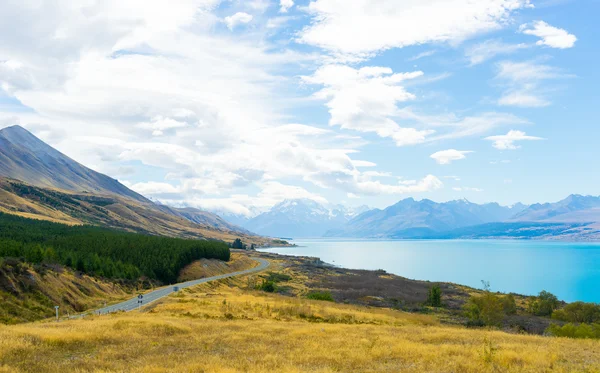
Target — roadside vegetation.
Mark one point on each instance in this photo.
(218, 328)
(103, 252)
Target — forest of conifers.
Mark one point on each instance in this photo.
(103, 252)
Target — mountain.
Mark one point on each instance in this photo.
(300, 218)
(38, 181)
(410, 218)
(575, 208)
(203, 218)
(25, 157)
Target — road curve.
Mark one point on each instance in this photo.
(155, 295)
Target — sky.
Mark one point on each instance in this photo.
(234, 106)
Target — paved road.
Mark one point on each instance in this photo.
(152, 296)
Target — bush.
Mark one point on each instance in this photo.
(589, 331)
(268, 286)
(486, 309)
(578, 312)
(543, 305)
(434, 296)
(320, 295)
(509, 304)
(278, 277)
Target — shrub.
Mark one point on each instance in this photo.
(543, 305)
(509, 304)
(320, 295)
(589, 331)
(434, 296)
(268, 286)
(486, 309)
(578, 312)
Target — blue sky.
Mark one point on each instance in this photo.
(236, 105)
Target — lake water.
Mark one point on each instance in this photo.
(569, 270)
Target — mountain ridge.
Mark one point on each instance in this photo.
(38, 181)
(25, 157)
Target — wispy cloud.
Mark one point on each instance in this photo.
(489, 49)
(523, 82)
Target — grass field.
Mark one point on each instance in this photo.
(218, 327)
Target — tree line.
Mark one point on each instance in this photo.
(103, 252)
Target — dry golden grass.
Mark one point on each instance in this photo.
(217, 328)
(212, 267)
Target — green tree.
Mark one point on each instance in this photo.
(578, 312)
(543, 305)
(485, 309)
(237, 244)
(434, 296)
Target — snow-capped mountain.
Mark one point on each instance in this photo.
(409, 218)
(301, 218)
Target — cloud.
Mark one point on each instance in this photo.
(507, 142)
(422, 55)
(285, 5)
(467, 189)
(366, 28)
(452, 177)
(489, 49)
(550, 36)
(523, 83)
(366, 99)
(160, 124)
(449, 156)
(238, 18)
(452, 126)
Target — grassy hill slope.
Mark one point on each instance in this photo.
(110, 211)
(216, 328)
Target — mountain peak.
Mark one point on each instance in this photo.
(19, 136)
(25, 157)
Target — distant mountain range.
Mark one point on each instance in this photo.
(408, 218)
(575, 218)
(38, 181)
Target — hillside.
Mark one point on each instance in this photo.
(409, 218)
(109, 211)
(214, 328)
(29, 293)
(25, 157)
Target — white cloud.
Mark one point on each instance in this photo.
(489, 49)
(365, 28)
(449, 156)
(550, 36)
(523, 83)
(507, 142)
(366, 100)
(160, 124)
(285, 5)
(358, 163)
(467, 189)
(238, 18)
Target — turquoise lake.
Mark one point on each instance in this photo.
(569, 270)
